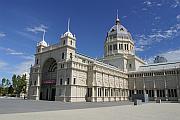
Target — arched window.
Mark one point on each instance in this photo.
(71, 56)
(71, 42)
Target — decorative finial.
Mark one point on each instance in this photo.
(68, 24)
(117, 17)
(44, 32)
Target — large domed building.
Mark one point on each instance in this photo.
(61, 73)
(119, 49)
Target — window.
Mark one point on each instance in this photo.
(60, 81)
(127, 47)
(172, 92)
(67, 81)
(111, 92)
(89, 92)
(64, 42)
(124, 46)
(62, 65)
(99, 92)
(110, 47)
(83, 61)
(115, 47)
(62, 55)
(130, 66)
(38, 49)
(71, 56)
(71, 42)
(37, 61)
(34, 82)
(121, 46)
(112, 30)
(74, 82)
(106, 92)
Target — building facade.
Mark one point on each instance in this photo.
(61, 73)
(159, 81)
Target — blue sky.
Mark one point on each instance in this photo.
(154, 25)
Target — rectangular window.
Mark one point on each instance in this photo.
(67, 81)
(62, 56)
(62, 65)
(121, 46)
(110, 47)
(127, 47)
(37, 61)
(89, 92)
(115, 47)
(60, 81)
(124, 46)
(74, 82)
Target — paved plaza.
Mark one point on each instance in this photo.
(47, 110)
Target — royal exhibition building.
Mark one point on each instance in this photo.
(60, 73)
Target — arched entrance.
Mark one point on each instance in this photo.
(48, 81)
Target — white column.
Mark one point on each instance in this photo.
(155, 91)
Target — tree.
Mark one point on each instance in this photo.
(19, 84)
(10, 90)
(14, 81)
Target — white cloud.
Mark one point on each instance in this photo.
(144, 41)
(23, 66)
(178, 17)
(148, 3)
(157, 18)
(139, 48)
(2, 65)
(2, 34)
(11, 51)
(19, 68)
(36, 29)
(176, 3)
(144, 9)
(159, 4)
(171, 56)
(27, 35)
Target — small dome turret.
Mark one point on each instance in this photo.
(42, 43)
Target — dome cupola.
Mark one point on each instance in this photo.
(43, 42)
(118, 40)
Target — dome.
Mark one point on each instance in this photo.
(160, 59)
(43, 43)
(119, 30)
(68, 34)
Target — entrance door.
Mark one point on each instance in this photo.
(53, 94)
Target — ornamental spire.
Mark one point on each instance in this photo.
(44, 32)
(68, 24)
(117, 18)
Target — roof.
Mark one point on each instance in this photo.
(159, 66)
(119, 30)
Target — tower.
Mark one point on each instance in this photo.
(118, 41)
(68, 41)
(42, 44)
(119, 48)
